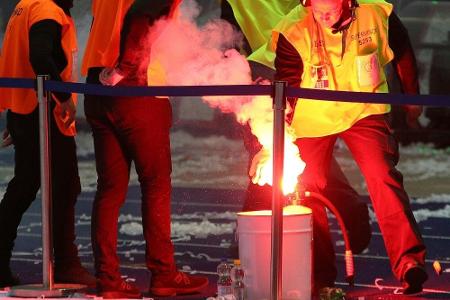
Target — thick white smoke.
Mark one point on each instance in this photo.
(206, 55)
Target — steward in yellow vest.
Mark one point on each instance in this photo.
(257, 20)
(316, 61)
(342, 45)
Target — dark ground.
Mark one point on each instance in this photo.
(201, 254)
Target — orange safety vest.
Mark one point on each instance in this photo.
(103, 46)
(14, 57)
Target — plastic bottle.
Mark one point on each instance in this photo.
(237, 274)
(224, 283)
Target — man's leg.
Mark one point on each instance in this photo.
(376, 152)
(22, 189)
(113, 171)
(113, 175)
(144, 130)
(350, 206)
(317, 153)
(65, 190)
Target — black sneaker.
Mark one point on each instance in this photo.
(119, 289)
(8, 279)
(413, 278)
(76, 274)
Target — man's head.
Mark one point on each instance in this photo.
(66, 5)
(327, 12)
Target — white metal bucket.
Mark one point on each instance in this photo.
(254, 233)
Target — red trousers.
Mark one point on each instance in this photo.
(375, 150)
(127, 129)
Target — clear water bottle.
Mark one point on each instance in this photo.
(237, 275)
(224, 283)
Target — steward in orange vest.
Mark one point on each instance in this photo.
(40, 39)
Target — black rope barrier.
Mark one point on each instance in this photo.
(228, 90)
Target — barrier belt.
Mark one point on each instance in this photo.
(228, 90)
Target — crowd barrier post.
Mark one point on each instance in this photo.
(46, 188)
(279, 107)
(48, 289)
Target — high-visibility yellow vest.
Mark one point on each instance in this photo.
(14, 57)
(360, 67)
(103, 45)
(256, 19)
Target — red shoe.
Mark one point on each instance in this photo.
(119, 289)
(74, 273)
(177, 283)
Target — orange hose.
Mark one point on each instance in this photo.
(349, 265)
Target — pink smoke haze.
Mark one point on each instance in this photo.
(206, 55)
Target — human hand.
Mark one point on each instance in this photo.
(413, 113)
(66, 112)
(262, 81)
(259, 161)
(110, 76)
(6, 139)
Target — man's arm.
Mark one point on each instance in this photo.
(288, 65)
(405, 66)
(46, 54)
(404, 61)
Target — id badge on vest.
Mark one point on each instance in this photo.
(368, 70)
(319, 76)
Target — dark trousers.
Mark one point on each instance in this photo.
(127, 129)
(375, 150)
(22, 189)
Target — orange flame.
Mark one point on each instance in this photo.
(261, 170)
(293, 166)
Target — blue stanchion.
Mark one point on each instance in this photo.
(228, 90)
